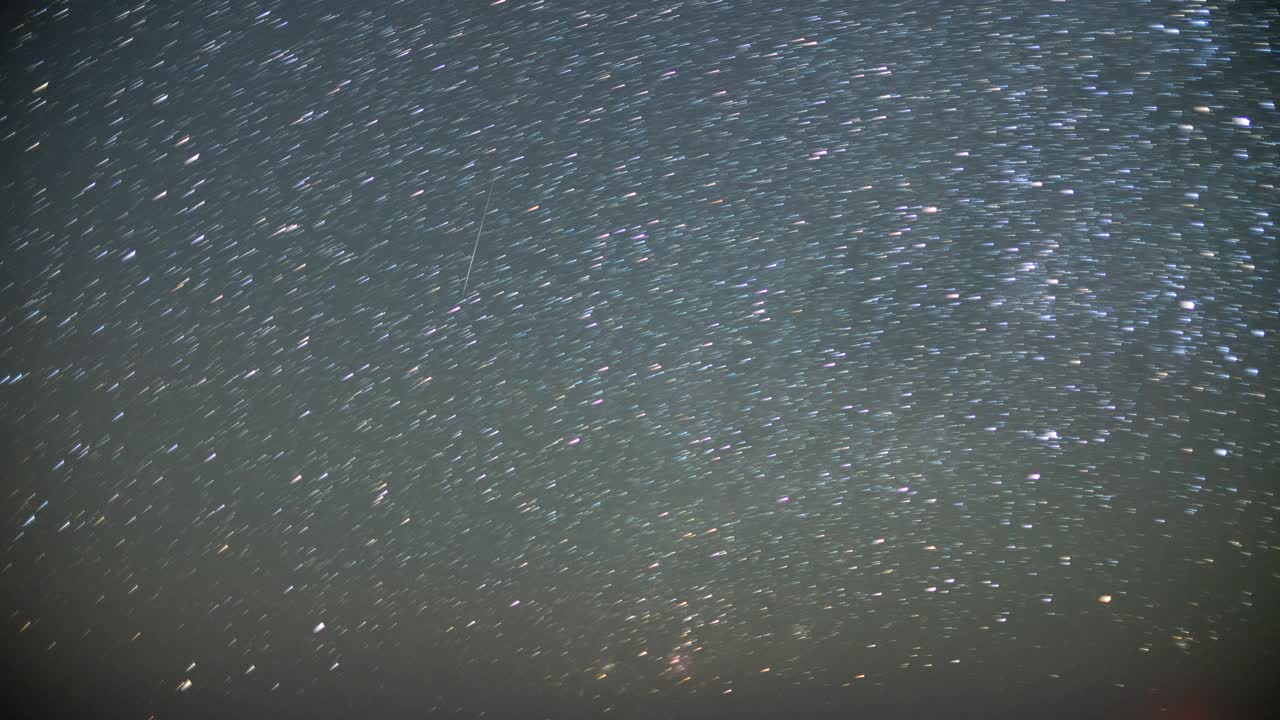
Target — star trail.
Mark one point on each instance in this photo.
(639, 359)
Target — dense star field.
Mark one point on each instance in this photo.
(824, 359)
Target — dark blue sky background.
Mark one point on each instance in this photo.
(835, 359)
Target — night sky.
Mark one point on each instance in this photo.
(818, 359)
